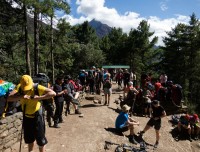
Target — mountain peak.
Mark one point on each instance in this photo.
(100, 28)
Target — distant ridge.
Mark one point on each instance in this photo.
(100, 28)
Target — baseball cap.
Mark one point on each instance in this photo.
(26, 82)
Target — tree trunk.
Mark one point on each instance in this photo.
(28, 64)
(52, 57)
(36, 42)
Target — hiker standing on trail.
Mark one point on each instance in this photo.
(124, 123)
(82, 78)
(107, 88)
(158, 112)
(30, 96)
(126, 78)
(163, 79)
(91, 79)
(119, 77)
(59, 99)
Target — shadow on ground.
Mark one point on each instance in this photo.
(91, 105)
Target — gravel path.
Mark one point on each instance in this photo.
(89, 133)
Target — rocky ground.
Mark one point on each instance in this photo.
(89, 133)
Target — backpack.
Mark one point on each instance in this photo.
(5, 89)
(91, 74)
(42, 79)
(107, 84)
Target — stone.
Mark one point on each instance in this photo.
(4, 134)
(95, 101)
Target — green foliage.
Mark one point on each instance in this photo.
(181, 59)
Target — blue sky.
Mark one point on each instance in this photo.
(162, 15)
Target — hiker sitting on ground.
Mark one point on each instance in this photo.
(124, 123)
(158, 112)
(195, 128)
(184, 124)
(71, 96)
(33, 120)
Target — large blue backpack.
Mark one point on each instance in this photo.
(5, 89)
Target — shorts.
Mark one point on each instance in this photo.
(147, 105)
(108, 91)
(34, 129)
(155, 123)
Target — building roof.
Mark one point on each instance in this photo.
(116, 66)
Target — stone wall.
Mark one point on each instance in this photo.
(10, 131)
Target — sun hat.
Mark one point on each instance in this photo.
(26, 82)
(125, 108)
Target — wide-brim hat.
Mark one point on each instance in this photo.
(26, 83)
(125, 108)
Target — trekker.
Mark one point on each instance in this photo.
(59, 99)
(124, 123)
(158, 113)
(71, 96)
(119, 77)
(184, 123)
(147, 103)
(163, 79)
(33, 120)
(82, 78)
(195, 128)
(126, 78)
(107, 87)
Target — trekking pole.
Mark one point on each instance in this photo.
(20, 146)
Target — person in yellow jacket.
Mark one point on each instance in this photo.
(30, 95)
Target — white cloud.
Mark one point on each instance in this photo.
(163, 5)
(93, 9)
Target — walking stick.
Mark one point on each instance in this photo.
(22, 128)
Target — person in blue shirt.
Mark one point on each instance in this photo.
(124, 123)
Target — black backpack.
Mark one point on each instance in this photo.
(42, 79)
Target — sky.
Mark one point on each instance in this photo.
(162, 15)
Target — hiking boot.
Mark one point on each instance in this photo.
(132, 140)
(77, 112)
(190, 138)
(49, 123)
(177, 137)
(56, 126)
(156, 144)
(196, 138)
(141, 133)
(67, 112)
(105, 103)
(61, 121)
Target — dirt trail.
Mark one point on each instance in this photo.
(89, 133)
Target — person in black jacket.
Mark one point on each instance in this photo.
(59, 99)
